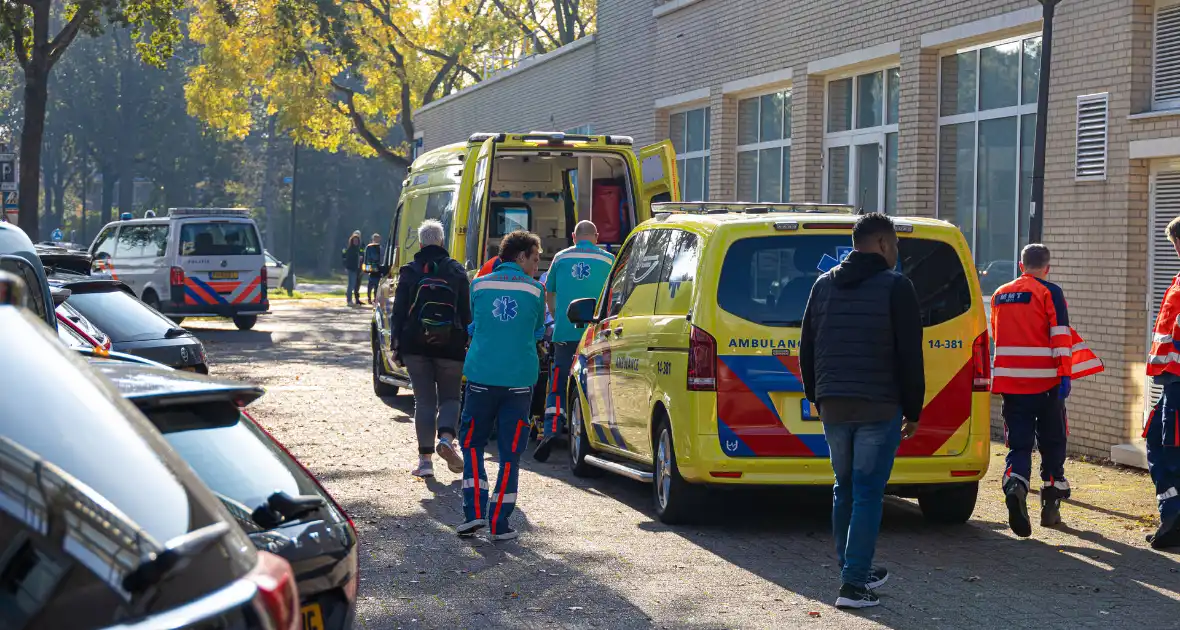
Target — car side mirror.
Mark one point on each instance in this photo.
(581, 312)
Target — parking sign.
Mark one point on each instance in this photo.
(8, 172)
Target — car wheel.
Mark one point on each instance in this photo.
(151, 299)
(676, 500)
(381, 389)
(245, 322)
(580, 442)
(951, 504)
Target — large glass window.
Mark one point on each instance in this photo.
(860, 140)
(987, 119)
(764, 148)
(689, 131)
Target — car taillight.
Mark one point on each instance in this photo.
(278, 595)
(262, 274)
(702, 361)
(981, 361)
(305, 470)
(176, 277)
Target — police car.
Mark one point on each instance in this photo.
(688, 374)
(193, 262)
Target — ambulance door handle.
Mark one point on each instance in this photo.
(619, 331)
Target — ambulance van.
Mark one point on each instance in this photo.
(495, 183)
(688, 374)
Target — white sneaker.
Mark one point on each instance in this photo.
(425, 468)
(448, 450)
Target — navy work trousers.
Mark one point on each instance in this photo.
(508, 409)
(1163, 449)
(1035, 420)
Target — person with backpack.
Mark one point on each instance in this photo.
(431, 313)
(372, 265)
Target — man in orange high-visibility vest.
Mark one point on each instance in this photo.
(1032, 368)
(1163, 425)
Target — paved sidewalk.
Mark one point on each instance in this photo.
(592, 556)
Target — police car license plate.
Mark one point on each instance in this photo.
(223, 275)
(313, 617)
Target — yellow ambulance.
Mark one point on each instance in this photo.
(495, 183)
(688, 373)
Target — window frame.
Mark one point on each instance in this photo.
(622, 266)
(758, 147)
(704, 155)
(864, 136)
(1017, 112)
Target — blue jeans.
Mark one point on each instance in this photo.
(559, 374)
(354, 285)
(862, 457)
(508, 408)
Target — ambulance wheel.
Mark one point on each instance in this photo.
(676, 500)
(951, 504)
(382, 390)
(245, 322)
(579, 442)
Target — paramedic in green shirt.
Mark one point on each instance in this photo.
(576, 272)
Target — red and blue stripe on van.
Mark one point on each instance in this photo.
(198, 292)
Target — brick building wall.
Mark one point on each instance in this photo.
(652, 58)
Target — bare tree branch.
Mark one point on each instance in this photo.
(362, 128)
(538, 47)
(16, 23)
(69, 31)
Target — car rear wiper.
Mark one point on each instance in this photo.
(173, 333)
(281, 507)
(175, 556)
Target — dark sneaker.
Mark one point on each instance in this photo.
(856, 597)
(543, 449)
(878, 576)
(505, 534)
(1015, 496)
(1050, 513)
(1168, 534)
(468, 529)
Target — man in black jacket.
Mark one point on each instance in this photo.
(431, 312)
(861, 360)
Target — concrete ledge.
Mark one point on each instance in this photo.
(686, 98)
(1155, 148)
(672, 5)
(1156, 113)
(758, 82)
(1132, 454)
(979, 29)
(854, 58)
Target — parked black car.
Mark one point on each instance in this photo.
(132, 326)
(101, 523)
(274, 498)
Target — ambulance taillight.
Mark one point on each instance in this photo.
(981, 360)
(702, 361)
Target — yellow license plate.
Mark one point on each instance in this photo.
(223, 275)
(313, 618)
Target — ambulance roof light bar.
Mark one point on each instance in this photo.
(553, 138)
(209, 212)
(726, 207)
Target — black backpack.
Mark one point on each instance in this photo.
(433, 312)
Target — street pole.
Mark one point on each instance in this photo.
(1036, 217)
(291, 236)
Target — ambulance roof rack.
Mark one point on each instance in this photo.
(553, 138)
(209, 212)
(728, 207)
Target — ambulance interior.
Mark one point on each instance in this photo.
(549, 192)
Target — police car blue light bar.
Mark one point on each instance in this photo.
(208, 212)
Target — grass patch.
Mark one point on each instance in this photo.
(302, 295)
(331, 279)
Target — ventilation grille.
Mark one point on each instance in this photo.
(1091, 147)
(1167, 57)
(1164, 264)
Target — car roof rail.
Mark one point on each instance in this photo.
(741, 207)
(209, 212)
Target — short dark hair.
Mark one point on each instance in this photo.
(517, 243)
(870, 225)
(1034, 256)
(1173, 230)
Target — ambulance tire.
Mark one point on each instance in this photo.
(951, 504)
(579, 442)
(245, 322)
(382, 390)
(676, 500)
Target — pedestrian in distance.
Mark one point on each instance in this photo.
(860, 354)
(372, 265)
(431, 312)
(501, 368)
(351, 257)
(576, 272)
(1163, 425)
(1032, 370)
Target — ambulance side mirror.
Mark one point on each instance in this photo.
(581, 312)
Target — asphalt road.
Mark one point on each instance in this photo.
(591, 554)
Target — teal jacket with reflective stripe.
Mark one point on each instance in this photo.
(508, 309)
(577, 272)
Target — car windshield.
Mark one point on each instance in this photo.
(231, 454)
(219, 238)
(767, 280)
(120, 315)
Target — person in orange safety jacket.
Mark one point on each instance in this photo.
(488, 267)
(1162, 431)
(1032, 370)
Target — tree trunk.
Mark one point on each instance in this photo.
(108, 195)
(268, 188)
(36, 95)
(126, 139)
(47, 176)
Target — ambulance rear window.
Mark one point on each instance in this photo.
(219, 238)
(767, 280)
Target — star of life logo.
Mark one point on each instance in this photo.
(580, 271)
(504, 308)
